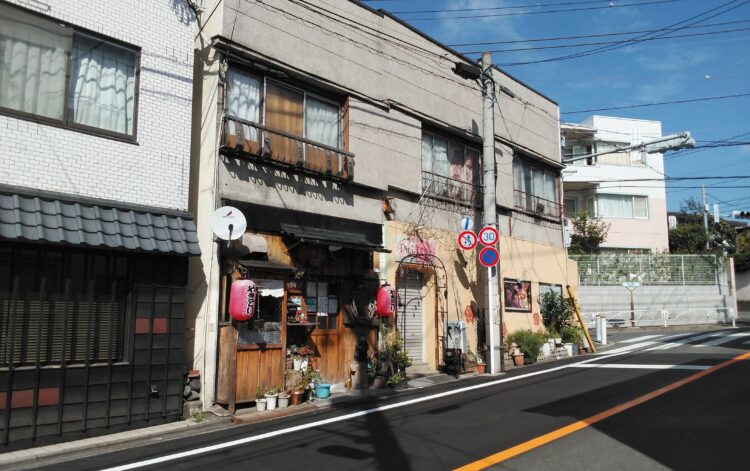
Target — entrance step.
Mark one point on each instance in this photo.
(419, 370)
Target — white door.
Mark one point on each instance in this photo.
(410, 314)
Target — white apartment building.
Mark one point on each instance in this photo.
(95, 116)
(623, 188)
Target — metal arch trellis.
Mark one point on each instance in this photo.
(431, 263)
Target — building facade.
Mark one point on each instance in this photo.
(634, 203)
(353, 150)
(95, 115)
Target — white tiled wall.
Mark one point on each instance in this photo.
(153, 172)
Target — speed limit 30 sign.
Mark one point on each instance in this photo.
(488, 235)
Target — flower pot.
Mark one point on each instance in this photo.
(546, 349)
(297, 363)
(322, 391)
(569, 349)
(260, 404)
(518, 360)
(296, 397)
(283, 401)
(379, 382)
(480, 368)
(271, 400)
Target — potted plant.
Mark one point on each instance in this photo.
(397, 380)
(572, 336)
(322, 389)
(478, 360)
(272, 396)
(528, 343)
(304, 352)
(283, 400)
(260, 400)
(301, 385)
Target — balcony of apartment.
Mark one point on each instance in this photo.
(451, 190)
(277, 147)
(537, 206)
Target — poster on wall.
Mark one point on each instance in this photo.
(545, 288)
(517, 295)
(454, 335)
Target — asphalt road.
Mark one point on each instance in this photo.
(689, 414)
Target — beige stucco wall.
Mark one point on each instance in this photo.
(538, 263)
(372, 60)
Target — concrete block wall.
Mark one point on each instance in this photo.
(154, 171)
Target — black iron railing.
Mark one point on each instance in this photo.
(451, 189)
(537, 205)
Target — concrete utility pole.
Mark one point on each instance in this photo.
(705, 214)
(672, 142)
(489, 211)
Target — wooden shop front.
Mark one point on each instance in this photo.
(305, 279)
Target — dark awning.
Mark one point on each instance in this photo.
(314, 235)
(266, 265)
(66, 220)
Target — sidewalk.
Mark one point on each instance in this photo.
(49, 454)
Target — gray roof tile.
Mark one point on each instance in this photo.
(39, 218)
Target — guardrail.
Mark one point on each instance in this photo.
(663, 317)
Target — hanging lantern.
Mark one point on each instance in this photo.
(386, 300)
(243, 300)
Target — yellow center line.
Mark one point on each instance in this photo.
(581, 424)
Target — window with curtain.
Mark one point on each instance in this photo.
(243, 100)
(453, 167)
(535, 181)
(571, 206)
(58, 73)
(622, 206)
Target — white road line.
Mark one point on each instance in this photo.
(722, 340)
(640, 339)
(635, 346)
(342, 418)
(747, 342)
(670, 345)
(628, 366)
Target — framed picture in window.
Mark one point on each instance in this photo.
(517, 295)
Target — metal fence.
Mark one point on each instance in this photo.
(603, 270)
(662, 317)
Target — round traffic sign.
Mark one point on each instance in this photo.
(467, 240)
(489, 256)
(488, 235)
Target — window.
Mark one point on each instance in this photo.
(65, 76)
(573, 151)
(326, 305)
(619, 206)
(59, 306)
(571, 206)
(286, 109)
(535, 189)
(451, 168)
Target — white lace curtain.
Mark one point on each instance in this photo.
(102, 85)
(321, 122)
(32, 65)
(622, 206)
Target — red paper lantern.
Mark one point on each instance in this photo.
(386, 300)
(243, 300)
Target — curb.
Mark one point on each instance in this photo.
(30, 455)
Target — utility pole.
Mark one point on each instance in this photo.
(490, 211)
(705, 214)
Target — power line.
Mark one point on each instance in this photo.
(506, 7)
(586, 36)
(642, 105)
(644, 37)
(545, 12)
(598, 43)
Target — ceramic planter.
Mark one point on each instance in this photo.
(480, 368)
(283, 401)
(271, 400)
(379, 382)
(260, 404)
(296, 397)
(322, 391)
(518, 360)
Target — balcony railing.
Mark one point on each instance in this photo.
(247, 138)
(536, 205)
(451, 189)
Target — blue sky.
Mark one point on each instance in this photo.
(652, 71)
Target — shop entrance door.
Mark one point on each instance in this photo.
(410, 314)
(327, 336)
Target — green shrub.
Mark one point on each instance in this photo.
(572, 334)
(530, 343)
(557, 311)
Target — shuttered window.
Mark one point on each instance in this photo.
(61, 307)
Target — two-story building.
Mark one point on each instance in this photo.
(95, 116)
(353, 150)
(624, 188)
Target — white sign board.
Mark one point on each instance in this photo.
(631, 284)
